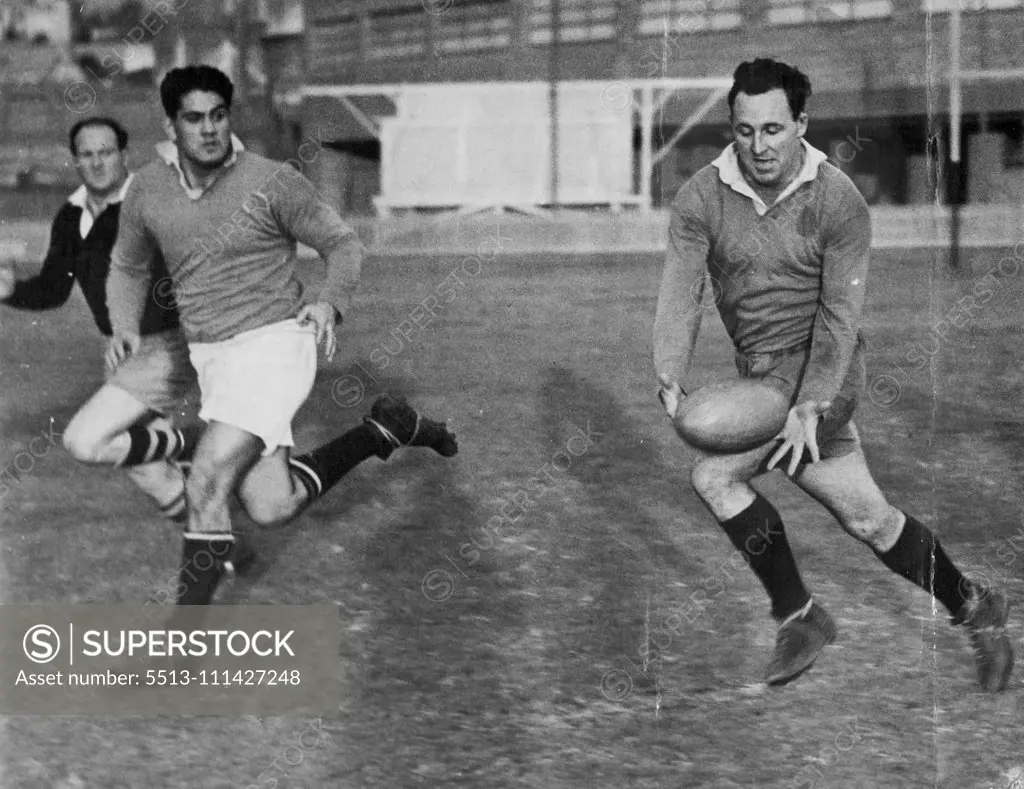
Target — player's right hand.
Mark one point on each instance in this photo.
(119, 348)
(800, 432)
(670, 394)
(7, 280)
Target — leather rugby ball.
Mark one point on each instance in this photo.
(731, 416)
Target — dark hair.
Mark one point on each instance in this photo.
(110, 123)
(180, 81)
(764, 74)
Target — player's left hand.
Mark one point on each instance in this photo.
(120, 347)
(321, 315)
(800, 433)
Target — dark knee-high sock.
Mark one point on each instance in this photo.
(758, 534)
(918, 557)
(149, 444)
(202, 566)
(322, 468)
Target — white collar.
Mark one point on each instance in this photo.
(81, 194)
(168, 152)
(80, 198)
(729, 171)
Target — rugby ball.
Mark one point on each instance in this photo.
(731, 416)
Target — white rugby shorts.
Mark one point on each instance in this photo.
(257, 380)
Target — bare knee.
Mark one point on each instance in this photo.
(82, 443)
(270, 494)
(265, 513)
(709, 481)
(269, 505)
(876, 528)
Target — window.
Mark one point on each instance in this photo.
(797, 12)
(340, 36)
(676, 17)
(967, 6)
(398, 32)
(475, 25)
(581, 20)
(282, 17)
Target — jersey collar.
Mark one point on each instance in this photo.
(168, 152)
(80, 197)
(729, 172)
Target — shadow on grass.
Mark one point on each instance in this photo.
(618, 555)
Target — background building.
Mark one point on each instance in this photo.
(879, 70)
(308, 70)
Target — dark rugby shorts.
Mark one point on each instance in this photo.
(784, 371)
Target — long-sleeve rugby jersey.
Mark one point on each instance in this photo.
(84, 257)
(784, 276)
(231, 251)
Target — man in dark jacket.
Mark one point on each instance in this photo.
(127, 423)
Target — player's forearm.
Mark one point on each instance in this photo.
(836, 331)
(835, 334)
(344, 263)
(127, 291)
(677, 320)
(675, 339)
(312, 222)
(38, 293)
(680, 302)
(831, 353)
(683, 281)
(49, 288)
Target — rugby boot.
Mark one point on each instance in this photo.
(801, 637)
(202, 569)
(402, 426)
(242, 559)
(240, 562)
(984, 615)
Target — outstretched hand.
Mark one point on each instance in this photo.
(321, 315)
(800, 432)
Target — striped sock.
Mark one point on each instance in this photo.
(149, 444)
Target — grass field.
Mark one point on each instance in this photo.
(517, 663)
